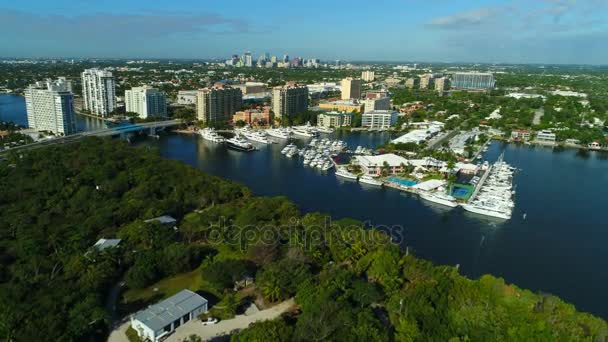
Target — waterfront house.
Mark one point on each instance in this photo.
(520, 135)
(161, 319)
(546, 136)
(374, 165)
(594, 145)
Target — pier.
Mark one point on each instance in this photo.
(480, 184)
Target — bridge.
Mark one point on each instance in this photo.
(122, 130)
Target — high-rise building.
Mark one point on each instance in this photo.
(98, 91)
(285, 58)
(411, 83)
(146, 101)
(442, 84)
(473, 80)
(289, 100)
(50, 107)
(218, 103)
(381, 103)
(248, 59)
(368, 76)
(351, 88)
(425, 81)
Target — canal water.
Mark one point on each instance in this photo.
(559, 248)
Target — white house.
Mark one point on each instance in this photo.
(163, 318)
(373, 165)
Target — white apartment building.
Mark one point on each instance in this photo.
(98, 91)
(289, 100)
(351, 88)
(50, 107)
(379, 119)
(368, 76)
(381, 103)
(334, 119)
(146, 101)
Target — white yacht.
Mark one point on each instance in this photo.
(209, 134)
(281, 133)
(325, 130)
(240, 143)
(439, 198)
(341, 172)
(495, 197)
(257, 136)
(370, 180)
(305, 131)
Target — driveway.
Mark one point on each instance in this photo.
(207, 332)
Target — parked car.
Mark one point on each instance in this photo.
(209, 321)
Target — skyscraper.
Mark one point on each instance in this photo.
(248, 59)
(146, 101)
(473, 80)
(442, 84)
(50, 107)
(351, 88)
(98, 91)
(368, 76)
(425, 81)
(289, 100)
(218, 103)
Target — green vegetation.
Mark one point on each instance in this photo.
(350, 282)
(10, 136)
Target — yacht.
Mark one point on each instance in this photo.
(488, 210)
(370, 180)
(209, 134)
(281, 133)
(240, 143)
(439, 198)
(257, 137)
(341, 172)
(305, 131)
(325, 130)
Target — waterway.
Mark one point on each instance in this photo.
(559, 248)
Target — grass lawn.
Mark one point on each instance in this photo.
(170, 286)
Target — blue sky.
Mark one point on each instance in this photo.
(537, 31)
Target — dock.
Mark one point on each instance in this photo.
(480, 184)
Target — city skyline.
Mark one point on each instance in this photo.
(496, 31)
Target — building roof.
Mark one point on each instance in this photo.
(390, 158)
(430, 184)
(102, 244)
(161, 314)
(165, 219)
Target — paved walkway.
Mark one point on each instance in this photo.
(207, 332)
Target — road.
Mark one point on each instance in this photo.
(208, 332)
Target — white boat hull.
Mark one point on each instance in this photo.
(437, 200)
(346, 175)
(481, 211)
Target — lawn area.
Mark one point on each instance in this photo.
(170, 286)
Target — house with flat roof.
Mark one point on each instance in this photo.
(163, 318)
(374, 165)
(102, 244)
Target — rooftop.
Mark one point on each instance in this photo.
(161, 314)
(102, 244)
(390, 158)
(165, 219)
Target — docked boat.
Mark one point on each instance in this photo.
(281, 133)
(210, 134)
(439, 198)
(239, 143)
(305, 131)
(345, 174)
(488, 210)
(257, 137)
(325, 130)
(370, 180)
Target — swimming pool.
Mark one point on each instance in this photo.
(401, 181)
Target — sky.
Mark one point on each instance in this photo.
(490, 31)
